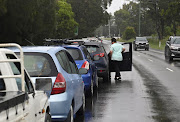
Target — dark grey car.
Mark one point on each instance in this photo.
(141, 43)
(97, 49)
(172, 48)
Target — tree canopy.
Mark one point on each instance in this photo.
(150, 17)
(65, 20)
(90, 14)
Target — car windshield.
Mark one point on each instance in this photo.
(176, 41)
(92, 48)
(39, 65)
(75, 53)
(141, 39)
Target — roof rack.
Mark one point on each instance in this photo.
(63, 41)
(54, 42)
(75, 42)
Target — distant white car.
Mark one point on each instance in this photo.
(19, 101)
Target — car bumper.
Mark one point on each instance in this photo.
(142, 46)
(175, 54)
(59, 106)
(101, 72)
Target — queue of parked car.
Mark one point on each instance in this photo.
(64, 72)
(72, 70)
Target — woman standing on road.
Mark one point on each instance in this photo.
(116, 57)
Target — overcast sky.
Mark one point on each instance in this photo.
(116, 5)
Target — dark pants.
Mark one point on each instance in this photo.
(116, 66)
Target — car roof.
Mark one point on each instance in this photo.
(41, 49)
(93, 43)
(140, 37)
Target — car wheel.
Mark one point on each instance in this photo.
(135, 49)
(170, 58)
(47, 117)
(106, 78)
(82, 109)
(90, 91)
(70, 117)
(166, 54)
(97, 82)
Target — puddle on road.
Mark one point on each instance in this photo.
(164, 105)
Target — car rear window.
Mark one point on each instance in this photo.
(39, 65)
(92, 48)
(75, 53)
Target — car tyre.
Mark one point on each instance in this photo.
(106, 78)
(135, 49)
(82, 109)
(47, 117)
(97, 82)
(169, 57)
(70, 117)
(90, 91)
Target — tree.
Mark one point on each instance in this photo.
(129, 33)
(65, 20)
(172, 15)
(3, 8)
(90, 14)
(156, 9)
(27, 20)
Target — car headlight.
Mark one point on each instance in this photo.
(173, 48)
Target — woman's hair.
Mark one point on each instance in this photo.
(113, 40)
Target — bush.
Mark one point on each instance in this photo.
(129, 33)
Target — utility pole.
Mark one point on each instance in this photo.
(109, 29)
(140, 18)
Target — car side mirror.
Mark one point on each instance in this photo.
(83, 71)
(168, 42)
(43, 84)
(96, 57)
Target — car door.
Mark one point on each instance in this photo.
(126, 64)
(78, 82)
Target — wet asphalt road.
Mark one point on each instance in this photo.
(149, 93)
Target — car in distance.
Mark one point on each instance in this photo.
(55, 64)
(141, 43)
(172, 48)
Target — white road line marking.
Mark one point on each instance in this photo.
(150, 60)
(170, 69)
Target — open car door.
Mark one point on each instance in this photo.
(126, 64)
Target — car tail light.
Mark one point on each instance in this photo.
(100, 55)
(59, 85)
(85, 65)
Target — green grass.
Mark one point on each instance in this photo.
(154, 44)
